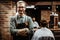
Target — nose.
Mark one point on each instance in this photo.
(20, 8)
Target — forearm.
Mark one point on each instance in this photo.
(19, 31)
(14, 31)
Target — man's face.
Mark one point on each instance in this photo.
(33, 19)
(21, 8)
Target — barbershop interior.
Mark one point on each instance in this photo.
(40, 9)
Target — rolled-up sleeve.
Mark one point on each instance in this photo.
(13, 29)
(30, 23)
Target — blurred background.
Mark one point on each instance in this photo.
(40, 9)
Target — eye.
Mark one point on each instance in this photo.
(20, 7)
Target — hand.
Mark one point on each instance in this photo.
(35, 29)
(26, 29)
(23, 32)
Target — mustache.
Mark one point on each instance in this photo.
(20, 10)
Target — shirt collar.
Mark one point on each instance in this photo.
(22, 16)
(43, 27)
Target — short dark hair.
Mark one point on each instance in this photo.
(43, 23)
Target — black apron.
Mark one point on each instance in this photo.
(21, 26)
(19, 37)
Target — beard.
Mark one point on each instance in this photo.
(21, 11)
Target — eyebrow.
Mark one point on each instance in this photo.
(21, 7)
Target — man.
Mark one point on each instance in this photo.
(35, 23)
(20, 24)
(43, 32)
